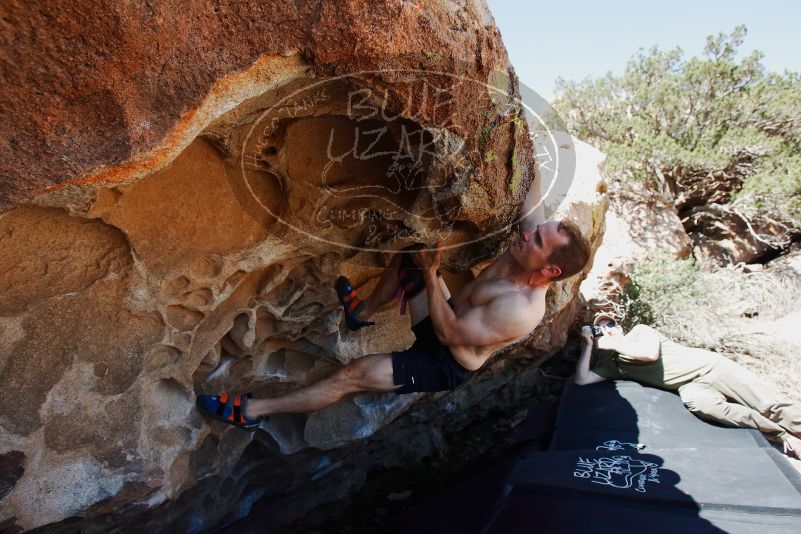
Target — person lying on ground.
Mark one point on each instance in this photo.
(454, 337)
(710, 385)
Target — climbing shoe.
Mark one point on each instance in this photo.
(230, 408)
(351, 303)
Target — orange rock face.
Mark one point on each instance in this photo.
(182, 183)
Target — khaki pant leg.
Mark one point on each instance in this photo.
(707, 403)
(742, 386)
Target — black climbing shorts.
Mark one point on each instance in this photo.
(428, 364)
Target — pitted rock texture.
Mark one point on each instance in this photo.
(182, 184)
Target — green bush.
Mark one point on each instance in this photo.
(658, 288)
(670, 121)
(705, 308)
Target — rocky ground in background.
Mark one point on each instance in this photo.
(182, 185)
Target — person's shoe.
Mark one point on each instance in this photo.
(792, 446)
(229, 408)
(352, 304)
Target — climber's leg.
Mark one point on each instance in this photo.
(358, 311)
(707, 402)
(369, 373)
(744, 387)
(384, 291)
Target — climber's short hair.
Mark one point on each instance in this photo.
(572, 256)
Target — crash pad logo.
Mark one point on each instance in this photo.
(623, 472)
(615, 445)
(373, 160)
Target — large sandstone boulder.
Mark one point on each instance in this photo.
(634, 232)
(724, 236)
(723, 232)
(639, 224)
(182, 183)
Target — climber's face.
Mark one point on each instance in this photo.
(533, 250)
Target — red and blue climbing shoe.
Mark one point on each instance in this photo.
(230, 408)
(351, 303)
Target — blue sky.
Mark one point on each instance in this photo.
(576, 39)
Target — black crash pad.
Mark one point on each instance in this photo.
(744, 479)
(624, 456)
(621, 457)
(630, 414)
(575, 514)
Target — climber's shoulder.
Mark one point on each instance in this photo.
(519, 308)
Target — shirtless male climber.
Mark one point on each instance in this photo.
(710, 385)
(454, 337)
